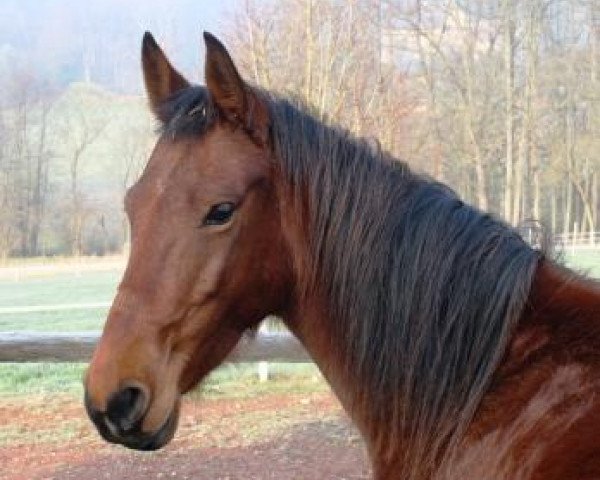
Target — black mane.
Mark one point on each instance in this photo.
(188, 112)
(424, 290)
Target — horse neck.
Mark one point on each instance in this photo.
(310, 321)
(308, 315)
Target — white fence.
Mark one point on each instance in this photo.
(53, 308)
(537, 236)
(578, 241)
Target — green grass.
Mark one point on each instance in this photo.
(41, 378)
(587, 261)
(67, 321)
(232, 381)
(84, 287)
(241, 380)
(63, 288)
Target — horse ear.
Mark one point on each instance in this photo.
(239, 103)
(161, 79)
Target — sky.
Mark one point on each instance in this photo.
(73, 40)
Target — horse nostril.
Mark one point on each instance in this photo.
(126, 407)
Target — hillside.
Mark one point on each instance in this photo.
(89, 145)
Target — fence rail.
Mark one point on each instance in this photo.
(54, 308)
(578, 239)
(78, 347)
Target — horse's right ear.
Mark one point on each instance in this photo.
(238, 102)
(161, 79)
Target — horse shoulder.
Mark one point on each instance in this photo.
(575, 455)
(545, 429)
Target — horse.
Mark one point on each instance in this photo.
(459, 351)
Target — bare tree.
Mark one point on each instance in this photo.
(27, 102)
(330, 54)
(82, 131)
(509, 64)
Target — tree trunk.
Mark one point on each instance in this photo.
(308, 19)
(595, 206)
(553, 224)
(568, 205)
(519, 174)
(509, 34)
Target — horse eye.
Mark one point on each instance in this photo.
(219, 214)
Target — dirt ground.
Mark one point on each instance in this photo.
(276, 436)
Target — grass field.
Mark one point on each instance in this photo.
(63, 288)
(231, 380)
(586, 261)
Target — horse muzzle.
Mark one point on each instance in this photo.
(121, 421)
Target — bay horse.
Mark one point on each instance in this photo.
(458, 351)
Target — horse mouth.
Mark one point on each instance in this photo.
(135, 438)
(150, 442)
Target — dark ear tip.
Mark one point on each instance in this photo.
(148, 41)
(212, 42)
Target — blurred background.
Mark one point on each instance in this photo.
(500, 99)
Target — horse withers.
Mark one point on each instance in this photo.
(458, 351)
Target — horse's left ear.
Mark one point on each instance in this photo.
(238, 102)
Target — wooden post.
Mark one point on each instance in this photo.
(263, 371)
